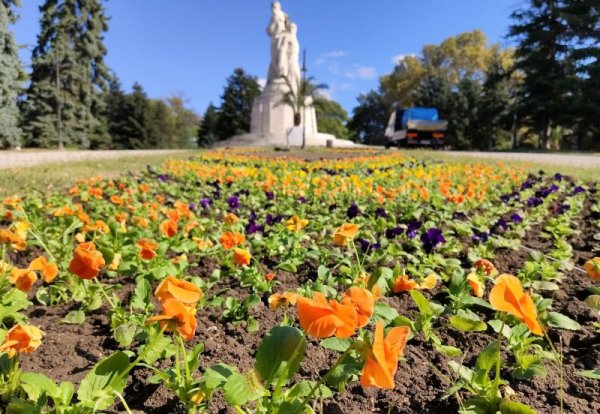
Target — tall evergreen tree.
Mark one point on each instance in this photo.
(11, 77)
(208, 131)
(236, 104)
(64, 103)
(542, 35)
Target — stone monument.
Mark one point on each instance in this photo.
(273, 121)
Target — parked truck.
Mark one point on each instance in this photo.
(415, 127)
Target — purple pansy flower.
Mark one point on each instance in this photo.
(393, 232)
(431, 238)
(205, 203)
(233, 202)
(380, 212)
(163, 177)
(366, 245)
(480, 237)
(515, 218)
(413, 226)
(353, 211)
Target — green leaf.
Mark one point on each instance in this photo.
(593, 373)
(544, 285)
(125, 333)
(595, 290)
(108, 254)
(558, 320)
(336, 344)
(421, 301)
(448, 350)
(467, 321)
(280, 354)
(488, 357)
(385, 313)
(154, 353)
(35, 385)
(593, 301)
(97, 389)
(76, 317)
(141, 294)
(216, 376)
(514, 407)
(238, 390)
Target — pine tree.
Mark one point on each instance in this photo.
(208, 131)
(236, 104)
(542, 35)
(11, 77)
(64, 102)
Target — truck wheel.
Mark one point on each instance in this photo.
(387, 145)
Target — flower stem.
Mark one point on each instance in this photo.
(560, 367)
(324, 378)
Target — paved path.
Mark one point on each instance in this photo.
(16, 159)
(573, 160)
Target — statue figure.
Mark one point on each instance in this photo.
(293, 55)
(277, 31)
(285, 49)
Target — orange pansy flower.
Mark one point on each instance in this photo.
(241, 257)
(23, 279)
(323, 319)
(485, 266)
(381, 362)
(147, 248)
(22, 339)
(592, 268)
(16, 242)
(48, 270)
(87, 261)
(508, 296)
(363, 301)
(296, 224)
(277, 300)
(345, 233)
(476, 284)
(403, 284)
(177, 317)
(229, 240)
(168, 228)
(230, 218)
(181, 290)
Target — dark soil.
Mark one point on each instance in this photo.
(69, 351)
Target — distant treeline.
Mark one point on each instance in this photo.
(544, 92)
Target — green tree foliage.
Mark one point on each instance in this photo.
(541, 34)
(236, 104)
(64, 99)
(467, 80)
(332, 118)
(208, 131)
(370, 118)
(11, 77)
(136, 121)
(558, 51)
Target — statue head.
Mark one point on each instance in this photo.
(276, 6)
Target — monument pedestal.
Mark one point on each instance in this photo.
(273, 123)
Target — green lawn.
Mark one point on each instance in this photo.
(60, 175)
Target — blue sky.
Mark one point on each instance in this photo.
(191, 46)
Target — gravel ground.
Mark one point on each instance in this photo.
(16, 159)
(572, 160)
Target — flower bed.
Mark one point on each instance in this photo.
(245, 282)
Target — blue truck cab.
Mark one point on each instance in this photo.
(415, 127)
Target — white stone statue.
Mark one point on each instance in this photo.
(285, 48)
(277, 31)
